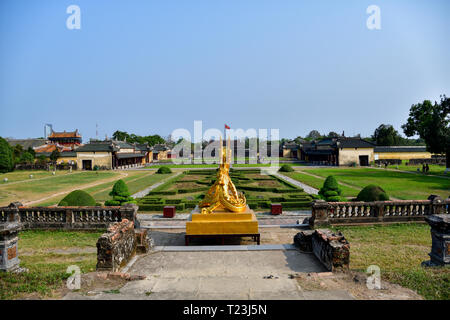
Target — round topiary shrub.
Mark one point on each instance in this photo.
(331, 191)
(286, 168)
(331, 184)
(372, 193)
(77, 198)
(164, 170)
(120, 195)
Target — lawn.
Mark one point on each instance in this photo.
(20, 175)
(399, 251)
(47, 254)
(434, 169)
(318, 183)
(401, 185)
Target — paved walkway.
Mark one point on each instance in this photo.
(144, 192)
(305, 187)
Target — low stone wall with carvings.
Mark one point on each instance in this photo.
(70, 218)
(116, 246)
(350, 213)
(331, 249)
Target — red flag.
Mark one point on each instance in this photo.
(227, 127)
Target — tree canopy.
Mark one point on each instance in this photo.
(386, 135)
(432, 123)
(6, 156)
(133, 138)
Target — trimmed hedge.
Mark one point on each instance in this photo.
(164, 170)
(120, 195)
(286, 168)
(77, 198)
(372, 193)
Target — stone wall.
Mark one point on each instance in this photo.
(116, 246)
(331, 249)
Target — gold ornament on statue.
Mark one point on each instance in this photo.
(223, 193)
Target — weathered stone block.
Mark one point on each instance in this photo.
(143, 240)
(116, 246)
(333, 250)
(9, 230)
(303, 240)
(440, 236)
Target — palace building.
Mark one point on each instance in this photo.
(112, 154)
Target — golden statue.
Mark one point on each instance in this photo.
(223, 193)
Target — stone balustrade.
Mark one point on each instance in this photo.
(348, 213)
(82, 218)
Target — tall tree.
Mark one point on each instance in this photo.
(386, 135)
(432, 123)
(6, 156)
(120, 135)
(332, 134)
(314, 135)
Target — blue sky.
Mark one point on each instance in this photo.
(153, 66)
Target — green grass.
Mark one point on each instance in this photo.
(16, 176)
(399, 185)
(47, 268)
(318, 183)
(434, 169)
(134, 186)
(35, 189)
(398, 250)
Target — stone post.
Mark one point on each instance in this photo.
(437, 205)
(129, 211)
(69, 219)
(319, 217)
(379, 210)
(440, 236)
(9, 231)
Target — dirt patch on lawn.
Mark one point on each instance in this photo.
(356, 284)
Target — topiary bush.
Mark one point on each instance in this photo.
(120, 195)
(77, 198)
(286, 168)
(331, 191)
(164, 170)
(372, 193)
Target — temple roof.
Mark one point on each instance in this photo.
(73, 134)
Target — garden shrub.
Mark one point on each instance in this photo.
(164, 170)
(330, 190)
(120, 195)
(286, 168)
(77, 198)
(372, 193)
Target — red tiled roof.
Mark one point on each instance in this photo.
(73, 134)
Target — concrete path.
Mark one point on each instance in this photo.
(305, 187)
(219, 275)
(144, 192)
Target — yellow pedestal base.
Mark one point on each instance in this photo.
(222, 223)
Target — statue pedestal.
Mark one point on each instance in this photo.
(222, 224)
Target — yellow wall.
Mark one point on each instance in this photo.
(66, 159)
(101, 159)
(162, 155)
(348, 156)
(403, 155)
